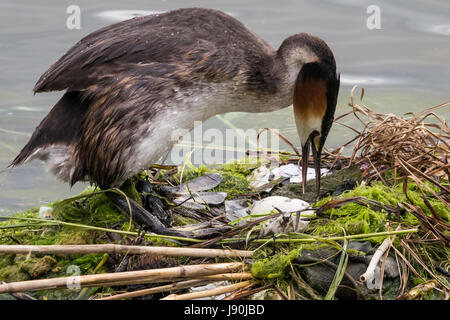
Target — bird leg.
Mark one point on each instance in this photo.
(139, 215)
(151, 222)
(152, 203)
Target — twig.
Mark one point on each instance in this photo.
(20, 295)
(84, 226)
(303, 285)
(117, 248)
(383, 263)
(100, 279)
(420, 290)
(209, 293)
(169, 287)
(414, 255)
(245, 292)
(369, 274)
(180, 285)
(309, 238)
(213, 277)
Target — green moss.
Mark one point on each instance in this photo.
(273, 267)
(234, 183)
(234, 175)
(87, 263)
(162, 242)
(37, 267)
(13, 273)
(179, 220)
(355, 218)
(21, 267)
(6, 260)
(95, 210)
(243, 166)
(416, 196)
(76, 237)
(129, 188)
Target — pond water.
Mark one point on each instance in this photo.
(404, 66)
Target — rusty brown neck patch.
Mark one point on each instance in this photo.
(310, 99)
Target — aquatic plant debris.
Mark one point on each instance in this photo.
(295, 243)
(278, 203)
(202, 183)
(263, 175)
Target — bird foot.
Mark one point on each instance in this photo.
(149, 222)
(139, 215)
(152, 203)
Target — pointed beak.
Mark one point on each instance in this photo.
(316, 157)
(305, 156)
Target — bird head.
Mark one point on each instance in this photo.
(315, 97)
(311, 68)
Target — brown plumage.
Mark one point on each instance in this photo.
(129, 84)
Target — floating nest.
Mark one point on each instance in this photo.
(400, 201)
(414, 147)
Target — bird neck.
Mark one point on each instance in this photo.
(289, 60)
(278, 74)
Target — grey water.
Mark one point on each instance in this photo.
(404, 65)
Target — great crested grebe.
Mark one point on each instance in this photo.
(131, 84)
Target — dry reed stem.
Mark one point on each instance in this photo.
(214, 277)
(211, 292)
(383, 263)
(169, 287)
(245, 292)
(116, 248)
(388, 137)
(413, 146)
(188, 271)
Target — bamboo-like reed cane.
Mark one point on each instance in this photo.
(228, 276)
(370, 272)
(181, 285)
(209, 293)
(169, 287)
(188, 271)
(20, 295)
(117, 248)
(309, 238)
(214, 277)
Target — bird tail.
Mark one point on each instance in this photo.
(61, 126)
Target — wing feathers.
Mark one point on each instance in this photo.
(204, 41)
